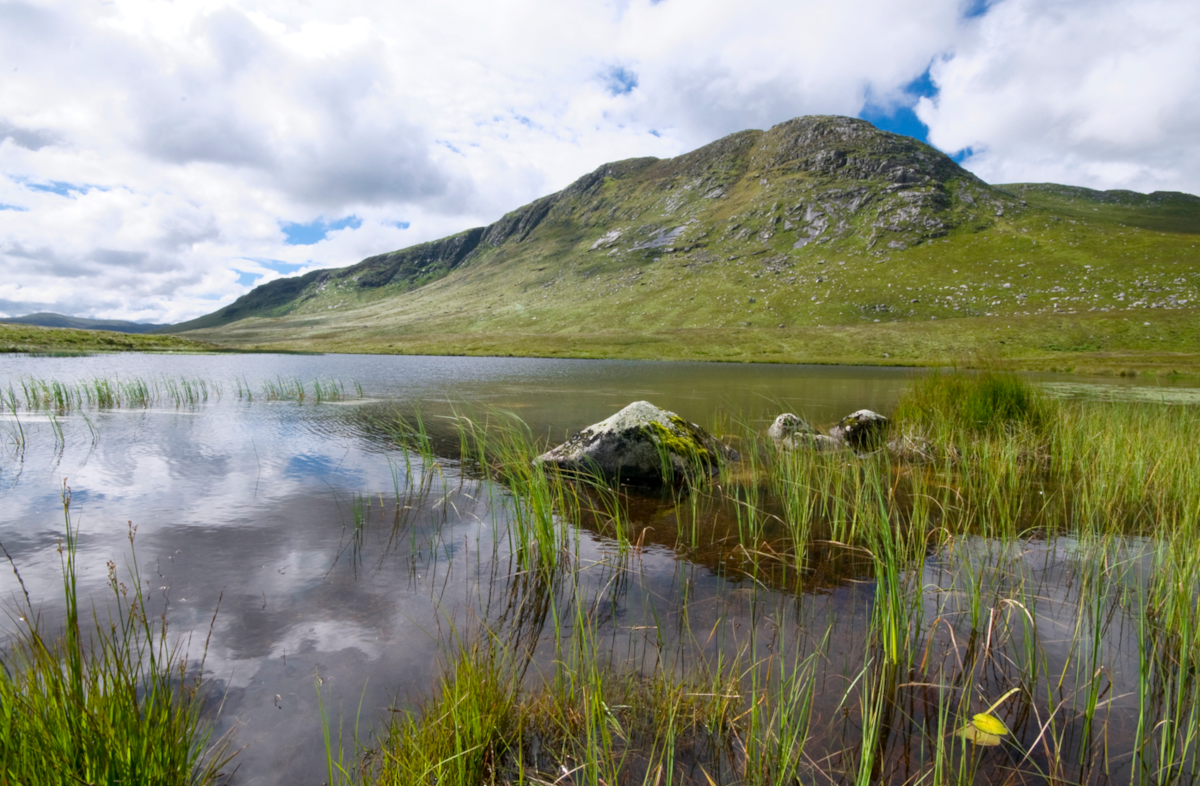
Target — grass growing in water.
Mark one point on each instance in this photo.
(961, 619)
(119, 706)
(54, 396)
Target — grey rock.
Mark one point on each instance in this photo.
(861, 430)
(787, 426)
(825, 442)
(641, 444)
(792, 432)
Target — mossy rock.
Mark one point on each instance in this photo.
(643, 445)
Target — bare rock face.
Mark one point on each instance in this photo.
(861, 430)
(641, 444)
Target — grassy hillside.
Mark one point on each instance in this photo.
(821, 240)
(49, 319)
(51, 340)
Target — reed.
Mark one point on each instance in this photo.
(940, 532)
(117, 705)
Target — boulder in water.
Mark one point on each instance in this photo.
(861, 430)
(641, 444)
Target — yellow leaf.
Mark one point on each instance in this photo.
(989, 724)
(970, 732)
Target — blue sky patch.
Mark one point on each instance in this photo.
(902, 119)
(972, 9)
(278, 265)
(962, 155)
(620, 80)
(18, 208)
(60, 187)
(246, 279)
(400, 224)
(922, 86)
(316, 231)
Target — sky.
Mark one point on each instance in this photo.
(160, 159)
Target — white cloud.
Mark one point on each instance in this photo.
(1088, 92)
(204, 127)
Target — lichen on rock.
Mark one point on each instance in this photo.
(641, 444)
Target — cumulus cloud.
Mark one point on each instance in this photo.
(150, 166)
(1088, 92)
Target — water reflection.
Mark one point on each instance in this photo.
(340, 567)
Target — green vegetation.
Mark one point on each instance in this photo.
(55, 399)
(294, 389)
(1007, 593)
(990, 401)
(117, 706)
(821, 240)
(62, 398)
(33, 394)
(47, 319)
(52, 341)
(1001, 544)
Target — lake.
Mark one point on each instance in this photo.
(337, 563)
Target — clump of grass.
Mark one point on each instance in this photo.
(64, 398)
(990, 402)
(461, 735)
(283, 388)
(490, 721)
(117, 706)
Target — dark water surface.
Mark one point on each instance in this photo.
(251, 505)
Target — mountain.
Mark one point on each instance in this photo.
(821, 239)
(49, 319)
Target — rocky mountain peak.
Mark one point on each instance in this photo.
(814, 181)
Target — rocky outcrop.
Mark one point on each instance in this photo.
(641, 444)
(417, 264)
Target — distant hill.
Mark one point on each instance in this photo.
(48, 319)
(822, 239)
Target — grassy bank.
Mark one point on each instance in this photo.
(52, 341)
(1159, 343)
(1021, 579)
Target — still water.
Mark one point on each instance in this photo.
(247, 508)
